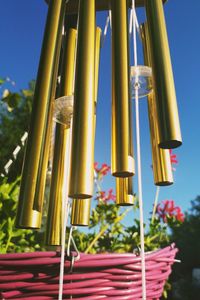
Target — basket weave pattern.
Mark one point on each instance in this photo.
(101, 276)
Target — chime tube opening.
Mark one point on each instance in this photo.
(82, 156)
(27, 217)
(122, 163)
(168, 119)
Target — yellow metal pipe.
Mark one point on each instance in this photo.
(168, 119)
(68, 63)
(97, 59)
(82, 157)
(54, 217)
(81, 207)
(62, 140)
(162, 168)
(122, 163)
(80, 215)
(27, 216)
(44, 158)
(124, 191)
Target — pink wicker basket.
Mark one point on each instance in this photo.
(100, 276)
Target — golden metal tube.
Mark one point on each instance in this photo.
(124, 191)
(97, 58)
(81, 207)
(82, 161)
(168, 119)
(131, 152)
(54, 218)
(42, 169)
(80, 215)
(68, 63)
(162, 168)
(124, 186)
(122, 164)
(27, 216)
(101, 5)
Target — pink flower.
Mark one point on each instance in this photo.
(101, 171)
(167, 209)
(103, 196)
(173, 157)
(179, 215)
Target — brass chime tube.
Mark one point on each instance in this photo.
(62, 141)
(82, 157)
(46, 142)
(80, 215)
(124, 186)
(124, 191)
(54, 217)
(162, 168)
(168, 119)
(122, 164)
(68, 63)
(97, 59)
(27, 216)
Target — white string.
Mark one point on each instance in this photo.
(134, 34)
(155, 203)
(140, 196)
(110, 16)
(131, 22)
(15, 154)
(105, 31)
(66, 208)
(108, 21)
(133, 14)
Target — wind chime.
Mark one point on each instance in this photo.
(66, 96)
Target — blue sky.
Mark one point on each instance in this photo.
(21, 31)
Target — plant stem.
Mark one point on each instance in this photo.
(8, 241)
(118, 219)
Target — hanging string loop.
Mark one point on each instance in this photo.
(108, 21)
(72, 255)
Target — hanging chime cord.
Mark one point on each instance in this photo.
(14, 154)
(139, 159)
(66, 207)
(155, 203)
(108, 21)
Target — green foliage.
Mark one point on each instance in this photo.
(186, 237)
(11, 238)
(109, 234)
(15, 109)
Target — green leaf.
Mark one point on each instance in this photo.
(2, 235)
(12, 100)
(32, 85)
(27, 93)
(2, 80)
